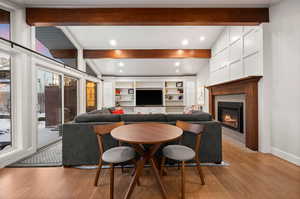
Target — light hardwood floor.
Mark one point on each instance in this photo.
(250, 175)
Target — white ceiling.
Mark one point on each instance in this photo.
(149, 67)
(146, 3)
(145, 37)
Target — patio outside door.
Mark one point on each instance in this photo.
(49, 108)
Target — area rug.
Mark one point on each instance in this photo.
(223, 164)
(50, 156)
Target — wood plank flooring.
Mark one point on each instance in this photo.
(250, 175)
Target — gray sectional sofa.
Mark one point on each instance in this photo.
(80, 145)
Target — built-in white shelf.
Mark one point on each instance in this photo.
(174, 87)
(172, 90)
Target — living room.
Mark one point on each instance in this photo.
(87, 87)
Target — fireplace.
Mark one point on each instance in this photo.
(231, 115)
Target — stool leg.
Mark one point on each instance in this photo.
(135, 166)
(111, 187)
(200, 171)
(98, 173)
(182, 181)
(162, 166)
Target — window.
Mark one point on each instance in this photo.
(49, 42)
(91, 96)
(49, 107)
(4, 24)
(70, 98)
(5, 102)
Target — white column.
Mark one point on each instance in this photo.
(82, 82)
(99, 95)
(80, 60)
(82, 95)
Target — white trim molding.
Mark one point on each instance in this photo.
(286, 156)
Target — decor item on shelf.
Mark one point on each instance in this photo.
(118, 111)
(130, 91)
(180, 97)
(180, 90)
(118, 98)
(188, 110)
(179, 84)
(170, 97)
(197, 107)
(118, 91)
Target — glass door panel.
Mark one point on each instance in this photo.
(70, 98)
(49, 107)
(5, 102)
(91, 96)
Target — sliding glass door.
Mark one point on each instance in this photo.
(70, 98)
(5, 102)
(49, 107)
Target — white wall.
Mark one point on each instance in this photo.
(202, 92)
(282, 78)
(237, 53)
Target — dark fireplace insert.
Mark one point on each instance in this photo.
(231, 115)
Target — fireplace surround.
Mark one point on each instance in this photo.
(249, 87)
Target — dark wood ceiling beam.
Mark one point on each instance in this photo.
(64, 53)
(146, 16)
(144, 54)
(131, 54)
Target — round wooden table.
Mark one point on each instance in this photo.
(146, 133)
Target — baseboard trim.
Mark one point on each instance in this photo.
(286, 156)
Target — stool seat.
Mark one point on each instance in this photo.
(118, 154)
(178, 152)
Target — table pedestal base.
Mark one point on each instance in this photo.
(146, 155)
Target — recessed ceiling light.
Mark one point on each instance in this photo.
(180, 52)
(121, 64)
(202, 38)
(121, 71)
(177, 63)
(177, 70)
(113, 42)
(118, 52)
(185, 42)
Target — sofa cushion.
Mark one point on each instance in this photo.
(97, 118)
(101, 111)
(196, 116)
(143, 118)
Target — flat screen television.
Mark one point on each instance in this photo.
(149, 97)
